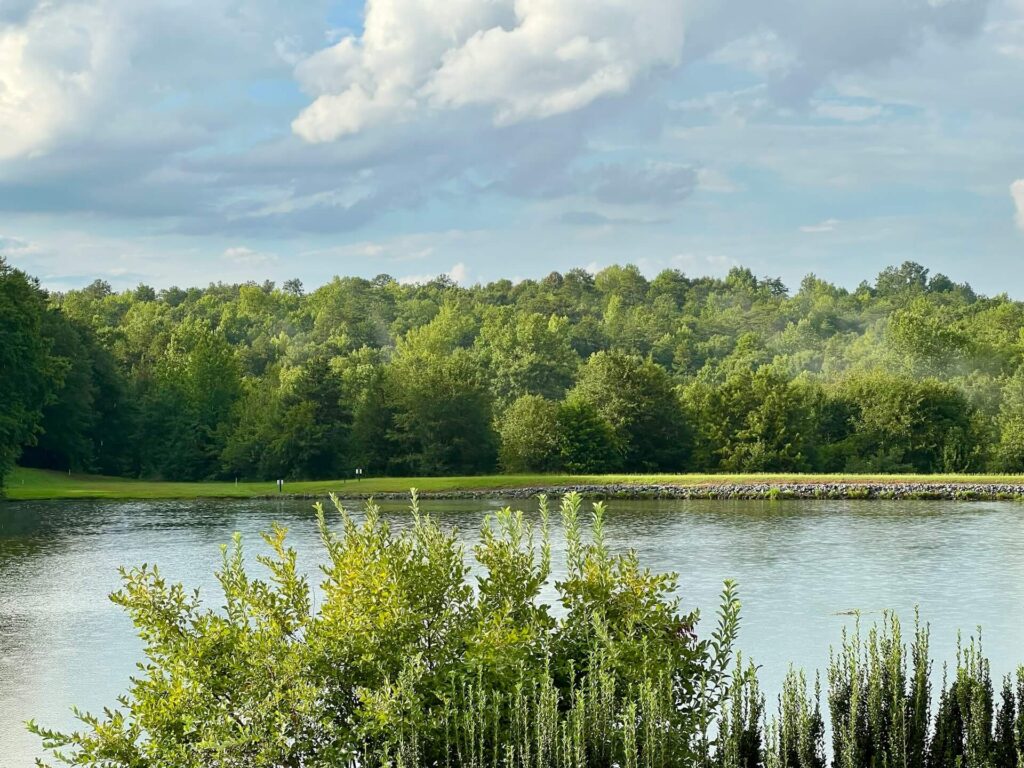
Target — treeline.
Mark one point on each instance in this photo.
(573, 372)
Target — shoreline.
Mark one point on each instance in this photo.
(809, 491)
(731, 491)
(43, 485)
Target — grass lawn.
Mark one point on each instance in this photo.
(44, 484)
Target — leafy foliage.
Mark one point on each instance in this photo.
(529, 435)
(402, 662)
(28, 374)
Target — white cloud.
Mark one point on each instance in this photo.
(410, 247)
(828, 225)
(713, 180)
(370, 250)
(713, 264)
(660, 183)
(459, 273)
(762, 53)
(1017, 193)
(52, 67)
(247, 257)
(530, 59)
(800, 46)
(12, 244)
(519, 59)
(135, 71)
(183, 129)
(848, 113)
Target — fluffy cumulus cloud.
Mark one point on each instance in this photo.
(518, 59)
(531, 59)
(54, 65)
(71, 70)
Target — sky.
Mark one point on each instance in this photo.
(178, 142)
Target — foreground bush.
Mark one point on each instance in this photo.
(401, 660)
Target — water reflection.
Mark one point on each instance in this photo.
(800, 565)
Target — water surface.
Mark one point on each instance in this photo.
(801, 566)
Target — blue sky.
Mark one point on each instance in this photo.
(179, 142)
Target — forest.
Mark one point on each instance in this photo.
(575, 372)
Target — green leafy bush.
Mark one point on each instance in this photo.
(403, 662)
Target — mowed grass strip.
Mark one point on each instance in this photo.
(26, 484)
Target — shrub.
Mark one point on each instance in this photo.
(403, 663)
(879, 700)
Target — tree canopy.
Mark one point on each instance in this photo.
(671, 373)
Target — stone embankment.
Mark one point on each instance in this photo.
(770, 491)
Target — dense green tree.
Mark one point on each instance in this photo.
(529, 434)
(637, 399)
(900, 424)
(28, 373)
(88, 423)
(928, 337)
(249, 450)
(65, 439)
(188, 404)
(312, 439)
(442, 420)
(526, 354)
(908, 278)
(374, 441)
(587, 443)
(1009, 451)
(350, 312)
(749, 418)
(625, 283)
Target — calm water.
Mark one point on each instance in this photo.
(800, 566)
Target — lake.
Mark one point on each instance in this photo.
(801, 566)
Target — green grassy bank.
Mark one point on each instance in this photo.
(24, 484)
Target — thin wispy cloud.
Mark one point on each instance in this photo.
(828, 225)
(247, 257)
(1017, 193)
(459, 273)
